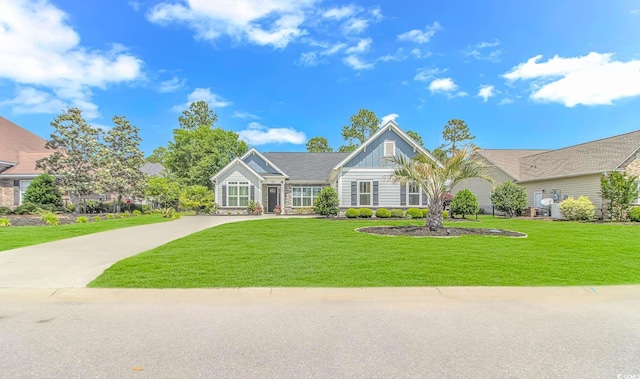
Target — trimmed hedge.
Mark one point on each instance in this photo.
(397, 213)
(634, 214)
(425, 212)
(365, 213)
(82, 220)
(351, 213)
(414, 213)
(383, 213)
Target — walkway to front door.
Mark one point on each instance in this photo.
(272, 198)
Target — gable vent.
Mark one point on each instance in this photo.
(389, 148)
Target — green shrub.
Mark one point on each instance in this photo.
(397, 213)
(109, 216)
(254, 208)
(70, 208)
(145, 208)
(581, 209)
(414, 213)
(97, 218)
(5, 211)
(175, 216)
(464, 203)
(50, 218)
(352, 213)
(425, 212)
(26, 208)
(5, 222)
(168, 212)
(365, 213)
(445, 214)
(43, 190)
(136, 213)
(123, 215)
(82, 220)
(327, 202)
(383, 213)
(304, 210)
(509, 198)
(634, 214)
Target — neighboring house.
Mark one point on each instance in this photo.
(558, 174)
(19, 151)
(152, 169)
(293, 180)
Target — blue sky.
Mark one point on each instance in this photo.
(543, 74)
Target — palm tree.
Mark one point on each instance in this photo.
(436, 179)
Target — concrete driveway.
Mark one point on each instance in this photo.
(444, 332)
(74, 262)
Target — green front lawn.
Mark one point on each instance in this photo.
(327, 253)
(12, 237)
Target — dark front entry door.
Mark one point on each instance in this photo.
(272, 200)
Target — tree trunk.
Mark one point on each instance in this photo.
(434, 217)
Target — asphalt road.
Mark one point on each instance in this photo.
(321, 333)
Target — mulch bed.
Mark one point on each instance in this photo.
(421, 231)
(36, 220)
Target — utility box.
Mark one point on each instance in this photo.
(555, 211)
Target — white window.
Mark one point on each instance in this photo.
(413, 194)
(23, 188)
(638, 201)
(364, 193)
(238, 194)
(389, 148)
(305, 196)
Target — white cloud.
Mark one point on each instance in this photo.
(505, 101)
(171, 85)
(635, 11)
(446, 86)
(313, 58)
(340, 12)
(397, 56)
(420, 36)
(425, 74)
(355, 25)
(263, 22)
(31, 100)
(203, 94)
(486, 91)
(240, 114)
(40, 52)
(389, 117)
(308, 59)
(258, 134)
(362, 47)
(482, 51)
(356, 63)
(135, 5)
(417, 53)
(593, 79)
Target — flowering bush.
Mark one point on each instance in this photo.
(581, 209)
(254, 208)
(277, 210)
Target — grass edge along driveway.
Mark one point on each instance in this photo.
(329, 253)
(12, 237)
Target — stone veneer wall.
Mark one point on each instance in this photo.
(6, 193)
(288, 196)
(633, 168)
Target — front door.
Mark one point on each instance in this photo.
(537, 199)
(272, 199)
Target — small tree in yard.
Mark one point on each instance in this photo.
(464, 203)
(196, 197)
(163, 190)
(509, 198)
(327, 202)
(618, 191)
(43, 191)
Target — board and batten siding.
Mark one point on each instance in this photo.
(482, 188)
(388, 192)
(584, 185)
(373, 154)
(238, 174)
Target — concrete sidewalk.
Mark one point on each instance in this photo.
(74, 262)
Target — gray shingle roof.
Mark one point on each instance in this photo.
(507, 160)
(586, 158)
(306, 166)
(152, 169)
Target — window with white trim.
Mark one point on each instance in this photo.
(238, 194)
(389, 148)
(24, 184)
(365, 193)
(638, 200)
(305, 196)
(413, 194)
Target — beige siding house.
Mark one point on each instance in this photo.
(558, 174)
